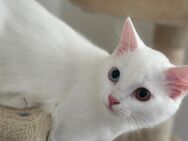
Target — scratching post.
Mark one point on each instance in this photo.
(172, 41)
(158, 11)
(24, 125)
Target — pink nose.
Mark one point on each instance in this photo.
(112, 101)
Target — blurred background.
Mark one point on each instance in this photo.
(104, 31)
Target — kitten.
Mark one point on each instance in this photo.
(92, 95)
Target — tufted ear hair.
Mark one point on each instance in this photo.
(177, 80)
(129, 40)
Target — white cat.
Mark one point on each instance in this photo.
(92, 96)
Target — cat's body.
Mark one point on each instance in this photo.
(34, 63)
(40, 70)
(43, 62)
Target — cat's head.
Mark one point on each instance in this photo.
(139, 84)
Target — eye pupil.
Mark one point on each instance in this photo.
(142, 94)
(114, 74)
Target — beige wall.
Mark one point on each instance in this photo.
(104, 31)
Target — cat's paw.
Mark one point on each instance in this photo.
(16, 101)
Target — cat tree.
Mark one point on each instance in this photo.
(159, 11)
(24, 124)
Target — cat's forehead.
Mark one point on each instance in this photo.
(144, 59)
(142, 65)
(143, 68)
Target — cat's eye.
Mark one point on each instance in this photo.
(142, 94)
(114, 74)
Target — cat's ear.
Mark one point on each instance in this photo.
(177, 81)
(129, 40)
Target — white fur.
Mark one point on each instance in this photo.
(44, 62)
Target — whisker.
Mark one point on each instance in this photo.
(140, 119)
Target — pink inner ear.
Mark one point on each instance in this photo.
(129, 38)
(177, 78)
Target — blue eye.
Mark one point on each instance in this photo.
(114, 74)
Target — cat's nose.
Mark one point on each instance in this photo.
(112, 101)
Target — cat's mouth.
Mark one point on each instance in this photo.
(112, 102)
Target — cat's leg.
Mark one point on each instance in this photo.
(17, 100)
